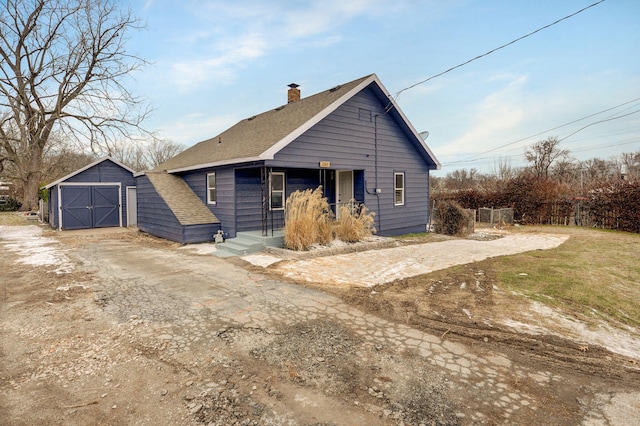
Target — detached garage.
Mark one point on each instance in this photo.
(102, 194)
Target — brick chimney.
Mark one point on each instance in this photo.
(294, 93)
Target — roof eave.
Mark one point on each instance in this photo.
(214, 164)
(270, 153)
(416, 134)
(70, 175)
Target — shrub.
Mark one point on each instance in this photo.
(450, 219)
(307, 220)
(354, 223)
(10, 205)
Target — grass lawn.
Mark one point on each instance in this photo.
(595, 273)
(13, 219)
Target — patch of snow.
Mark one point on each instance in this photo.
(34, 249)
(542, 319)
(204, 248)
(262, 260)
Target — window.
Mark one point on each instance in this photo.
(211, 188)
(398, 187)
(276, 191)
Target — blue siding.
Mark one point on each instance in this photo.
(349, 143)
(225, 207)
(104, 172)
(156, 218)
(248, 200)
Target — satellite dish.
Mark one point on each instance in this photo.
(424, 135)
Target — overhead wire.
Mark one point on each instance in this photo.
(468, 159)
(397, 94)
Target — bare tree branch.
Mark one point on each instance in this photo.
(64, 68)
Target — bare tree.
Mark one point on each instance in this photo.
(598, 169)
(543, 154)
(630, 164)
(565, 170)
(462, 178)
(144, 156)
(63, 68)
(160, 150)
(503, 170)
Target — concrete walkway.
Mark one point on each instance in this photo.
(370, 268)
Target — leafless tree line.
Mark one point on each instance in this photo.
(548, 161)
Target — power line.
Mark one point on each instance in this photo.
(397, 95)
(598, 122)
(555, 128)
(484, 160)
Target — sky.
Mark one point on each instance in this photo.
(213, 63)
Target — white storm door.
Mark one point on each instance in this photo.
(344, 189)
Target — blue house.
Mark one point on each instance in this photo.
(352, 140)
(101, 194)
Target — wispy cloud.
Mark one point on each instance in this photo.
(196, 127)
(498, 114)
(256, 31)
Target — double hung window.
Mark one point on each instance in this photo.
(211, 188)
(276, 191)
(398, 186)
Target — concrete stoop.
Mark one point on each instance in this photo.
(248, 243)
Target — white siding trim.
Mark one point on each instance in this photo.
(70, 175)
(271, 152)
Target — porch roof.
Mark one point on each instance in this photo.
(183, 202)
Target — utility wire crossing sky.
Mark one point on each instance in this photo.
(217, 62)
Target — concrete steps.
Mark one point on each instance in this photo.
(248, 243)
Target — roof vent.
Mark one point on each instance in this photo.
(251, 118)
(280, 108)
(335, 88)
(294, 93)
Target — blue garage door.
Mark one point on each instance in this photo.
(90, 206)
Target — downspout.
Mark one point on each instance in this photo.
(376, 190)
(375, 159)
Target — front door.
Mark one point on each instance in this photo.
(344, 189)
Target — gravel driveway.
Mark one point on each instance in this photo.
(135, 331)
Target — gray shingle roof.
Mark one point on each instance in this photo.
(183, 202)
(252, 137)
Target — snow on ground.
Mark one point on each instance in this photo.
(542, 319)
(260, 259)
(202, 248)
(34, 249)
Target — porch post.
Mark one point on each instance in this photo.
(264, 191)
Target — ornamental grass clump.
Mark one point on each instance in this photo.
(307, 220)
(355, 223)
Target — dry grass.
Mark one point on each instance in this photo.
(308, 220)
(595, 273)
(13, 219)
(355, 223)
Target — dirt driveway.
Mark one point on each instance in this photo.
(127, 329)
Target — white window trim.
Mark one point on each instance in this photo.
(214, 202)
(396, 189)
(284, 182)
